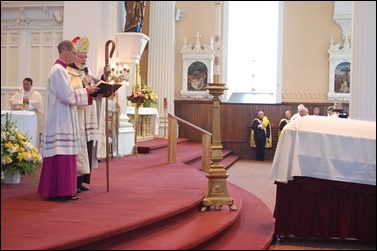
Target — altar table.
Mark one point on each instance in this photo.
(325, 172)
(27, 123)
(148, 122)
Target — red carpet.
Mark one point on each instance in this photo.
(147, 146)
(150, 205)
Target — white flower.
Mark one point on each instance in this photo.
(17, 153)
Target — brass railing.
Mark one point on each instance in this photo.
(172, 141)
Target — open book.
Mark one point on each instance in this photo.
(106, 89)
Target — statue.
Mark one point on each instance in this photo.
(134, 15)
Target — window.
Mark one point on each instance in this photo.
(251, 51)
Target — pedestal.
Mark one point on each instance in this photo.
(130, 47)
(126, 135)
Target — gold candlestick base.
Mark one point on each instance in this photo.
(134, 151)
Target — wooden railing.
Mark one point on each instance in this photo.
(235, 120)
(172, 141)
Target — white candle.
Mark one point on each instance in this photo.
(216, 67)
(217, 18)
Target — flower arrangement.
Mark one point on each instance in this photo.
(17, 153)
(150, 96)
(136, 97)
(144, 96)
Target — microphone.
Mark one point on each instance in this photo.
(86, 71)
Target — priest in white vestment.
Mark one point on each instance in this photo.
(59, 144)
(29, 100)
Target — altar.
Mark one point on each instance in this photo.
(27, 123)
(148, 122)
(325, 172)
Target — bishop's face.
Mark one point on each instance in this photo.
(80, 59)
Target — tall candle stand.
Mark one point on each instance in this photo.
(136, 126)
(217, 194)
(166, 117)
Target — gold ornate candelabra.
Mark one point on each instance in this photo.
(119, 73)
(217, 193)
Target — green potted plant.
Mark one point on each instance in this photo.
(18, 155)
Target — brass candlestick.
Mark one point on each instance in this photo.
(136, 126)
(166, 117)
(217, 194)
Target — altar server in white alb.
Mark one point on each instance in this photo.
(29, 100)
(59, 145)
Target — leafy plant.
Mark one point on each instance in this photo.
(150, 96)
(17, 153)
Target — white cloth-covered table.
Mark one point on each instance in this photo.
(27, 123)
(327, 148)
(147, 111)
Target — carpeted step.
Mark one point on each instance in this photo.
(146, 146)
(180, 232)
(228, 160)
(150, 205)
(250, 232)
(209, 230)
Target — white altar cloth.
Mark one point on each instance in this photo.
(147, 111)
(27, 123)
(326, 148)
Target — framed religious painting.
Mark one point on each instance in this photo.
(342, 78)
(339, 74)
(197, 69)
(197, 76)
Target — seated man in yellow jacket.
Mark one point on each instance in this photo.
(261, 136)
